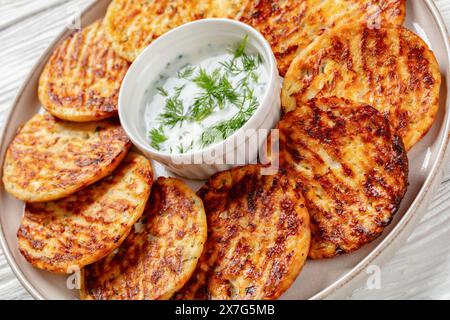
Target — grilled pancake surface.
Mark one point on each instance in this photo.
(231, 9)
(290, 26)
(159, 255)
(61, 235)
(353, 169)
(51, 158)
(391, 69)
(82, 78)
(131, 25)
(258, 237)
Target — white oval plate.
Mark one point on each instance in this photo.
(335, 278)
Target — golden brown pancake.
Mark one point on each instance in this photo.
(258, 236)
(159, 255)
(290, 26)
(353, 170)
(50, 159)
(63, 235)
(132, 25)
(391, 69)
(82, 78)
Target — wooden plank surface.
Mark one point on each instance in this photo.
(421, 269)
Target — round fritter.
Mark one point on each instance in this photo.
(50, 159)
(354, 171)
(82, 79)
(231, 9)
(290, 26)
(159, 255)
(70, 233)
(132, 25)
(258, 236)
(391, 69)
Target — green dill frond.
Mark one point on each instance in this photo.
(191, 145)
(217, 90)
(186, 72)
(183, 149)
(174, 109)
(210, 136)
(252, 102)
(157, 137)
(206, 81)
(254, 76)
(231, 67)
(224, 129)
(202, 108)
(162, 91)
(225, 92)
(240, 49)
(180, 148)
(178, 90)
(243, 63)
(249, 62)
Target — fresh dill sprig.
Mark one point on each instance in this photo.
(210, 135)
(224, 129)
(186, 72)
(248, 103)
(162, 91)
(157, 137)
(240, 49)
(182, 149)
(248, 63)
(231, 67)
(217, 90)
(224, 92)
(174, 109)
(205, 80)
(202, 107)
(243, 83)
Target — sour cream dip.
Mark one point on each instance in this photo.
(202, 97)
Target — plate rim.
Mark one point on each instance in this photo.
(411, 213)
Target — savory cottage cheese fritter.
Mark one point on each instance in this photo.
(159, 255)
(353, 169)
(258, 236)
(290, 26)
(50, 159)
(63, 235)
(82, 78)
(391, 69)
(131, 25)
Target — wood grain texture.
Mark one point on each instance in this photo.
(420, 269)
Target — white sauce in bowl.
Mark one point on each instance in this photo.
(201, 99)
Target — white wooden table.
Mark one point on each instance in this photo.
(421, 269)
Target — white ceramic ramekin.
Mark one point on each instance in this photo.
(149, 65)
